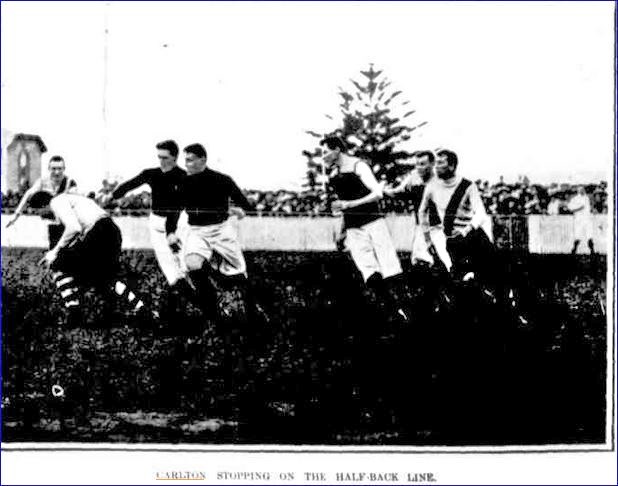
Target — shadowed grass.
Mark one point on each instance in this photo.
(328, 369)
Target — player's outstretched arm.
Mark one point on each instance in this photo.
(72, 228)
(66, 215)
(24, 201)
(134, 183)
(392, 191)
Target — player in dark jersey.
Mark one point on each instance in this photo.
(366, 235)
(211, 243)
(369, 242)
(213, 255)
(165, 182)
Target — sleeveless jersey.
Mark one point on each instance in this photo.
(349, 186)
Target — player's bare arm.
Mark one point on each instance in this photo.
(367, 177)
(23, 202)
(72, 229)
(393, 190)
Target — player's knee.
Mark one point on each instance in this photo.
(194, 262)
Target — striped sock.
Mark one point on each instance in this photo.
(127, 296)
(68, 289)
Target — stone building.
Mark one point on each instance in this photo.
(21, 162)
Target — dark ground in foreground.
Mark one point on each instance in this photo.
(328, 369)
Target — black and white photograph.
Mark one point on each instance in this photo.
(308, 242)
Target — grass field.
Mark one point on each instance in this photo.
(326, 370)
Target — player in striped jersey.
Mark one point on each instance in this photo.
(463, 217)
(467, 228)
(87, 253)
(413, 184)
(428, 249)
(470, 239)
(55, 183)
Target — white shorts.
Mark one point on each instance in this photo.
(372, 249)
(170, 263)
(420, 248)
(438, 240)
(582, 228)
(218, 244)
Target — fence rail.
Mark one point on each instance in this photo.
(537, 234)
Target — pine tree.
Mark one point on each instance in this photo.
(372, 118)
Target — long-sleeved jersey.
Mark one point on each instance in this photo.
(470, 212)
(165, 188)
(205, 197)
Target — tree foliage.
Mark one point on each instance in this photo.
(376, 121)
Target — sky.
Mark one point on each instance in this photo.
(514, 88)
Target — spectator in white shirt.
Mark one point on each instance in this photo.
(580, 207)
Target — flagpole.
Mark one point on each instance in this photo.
(105, 94)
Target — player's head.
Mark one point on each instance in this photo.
(332, 148)
(40, 200)
(195, 158)
(56, 167)
(167, 153)
(424, 161)
(446, 163)
(581, 190)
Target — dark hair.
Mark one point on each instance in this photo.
(170, 146)
(451, 157)
(40, 199)
(56, 158)
(196, 149)
(425, 153)
(334, 142)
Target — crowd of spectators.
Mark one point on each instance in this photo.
(520, 198)
(526, 198)
(523, 198)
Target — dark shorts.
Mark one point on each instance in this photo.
(95, 258)
(473, 253)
